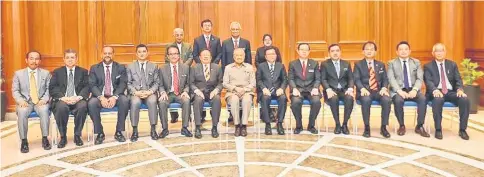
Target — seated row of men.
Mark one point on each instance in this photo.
(71, 90)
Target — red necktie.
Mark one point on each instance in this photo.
(442, 79)
(304, 70)
(236, 43)
(175, 80)
(207, 42)
(107, 85)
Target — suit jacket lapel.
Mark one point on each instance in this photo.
(298, 68)
(77, 76)
(277, 70)
(39, 80)
(168, 70)
(100, 69)
(436, 69)
(376, 69)
(332, 68)
(114, 72)
(212, 71)
(398, 68)
(342, 66)
(66, 77)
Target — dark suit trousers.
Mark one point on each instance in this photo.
(61, 114)
(398, 102)
(333, 103)
(95, 113)
(172, 98)
(296, 107)
(215, 103)
(265, 107)
(451, 96)
(385, 103)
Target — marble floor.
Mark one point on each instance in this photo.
(325, 154)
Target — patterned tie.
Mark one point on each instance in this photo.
(175, 80)
(143, 74)
(207, 42)
(107, 84)
(34, 95)
(207, 73)
(373, 82)
(442, 79)
(271, 69)
(236, 43)
(304, 70)
(405, 75)
(70, 84)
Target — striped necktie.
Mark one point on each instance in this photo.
(373, 82)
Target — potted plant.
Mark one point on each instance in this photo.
(471, 87)
(3, 95)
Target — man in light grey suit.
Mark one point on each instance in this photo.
(30, 89)
(142, 87)
(405, 76)
(174, 88)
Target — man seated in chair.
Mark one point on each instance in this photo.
(271, 84)
(443, 82)
(239, 80)
(69, 88)
(371, 83)
(30, 89)
(206, 86)
(337, 80)
(304, 81)
(407, 69)
(174, 88)
(108, 81)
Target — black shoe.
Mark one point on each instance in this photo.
(243, 131)
(345, 129)
(153, 134)
(367, 132)
(298, 130)
(313, 130)
(78, 140)
(62, 142)
(119, 136)
(186, 132)
(237, 130)
(231, 119)
(401, 131)
(174, 120)
(134, 136)
(24, 148)
(421, 131)
(164, 133)
(438, 134)
(198, 133)
(214, 132)
(268, 130)
(280, 129)
(337, 129)
(100, 138)
(46, 144)
(463, 134)
(384, 132)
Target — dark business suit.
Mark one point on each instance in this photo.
(260, 55)
(198, 81)
(304, 86)
(361, 75)
(276, 81)
(330, 80)
(432, 80)
(97, 81)
(57, 90)
(165, 85)
(215, 48)
(228, 51)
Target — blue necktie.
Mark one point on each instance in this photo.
(405, 75)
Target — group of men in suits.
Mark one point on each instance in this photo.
(73, 90)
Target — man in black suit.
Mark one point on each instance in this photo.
(443, 82)
(69, 88)
(337, 80)
(271, 80)
(108, 81)
(304, 81)
(206, 86)
(372, 85)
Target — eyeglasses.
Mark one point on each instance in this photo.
(173, 54)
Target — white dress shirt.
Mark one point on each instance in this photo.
(179, 47)
(337, 62)
(73, 77)
(110, 73)
(449, 86)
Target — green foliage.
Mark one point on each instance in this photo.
(469, 71)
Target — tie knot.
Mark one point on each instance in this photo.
(174, 66)
(107, 67)
(441, 64)
(32, 72)
(70, 70)
(369, 63)
(404, 61)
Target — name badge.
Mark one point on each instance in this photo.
(311, 70)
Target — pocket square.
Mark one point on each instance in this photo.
(380, 71)
(345, 69)
(150, 74)
(117, 77)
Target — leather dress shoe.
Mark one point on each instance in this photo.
(214, 132)
(174, 120)
(134, 136)
(62, 142)
(367, 132)
(401, 131)
(186, 132)
(337, 129)
(384, 132)
(298, 130)
(421, 131)
(313, 130)
(268, 130)
(78, 141)
(24, 148)
(119, 136)
(280, 129)
(345, 129)
(237, 130)
(463, 134)
(198, 132)
(438, 134)
(100, 138)
(46, 144)
(243, 131)
(164, 133)
(153, 134)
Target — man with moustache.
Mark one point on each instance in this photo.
(304, 80)
(444, 83)
(108, 81)
(174, 88)
(337, 80)
(206, 86)
(69, 88)
(239, 80)
(142, 87)
(372, 85)
(186, 57)
(407, 69)
(30, 90)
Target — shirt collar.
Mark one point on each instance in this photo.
(370, 60)
(402, 60)
(209, 36)
(30, 70)
(238, 39)
(440, 62)
(73, 69)
(335, 61)
(110, 65)
(171, 65)
(242, 65)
